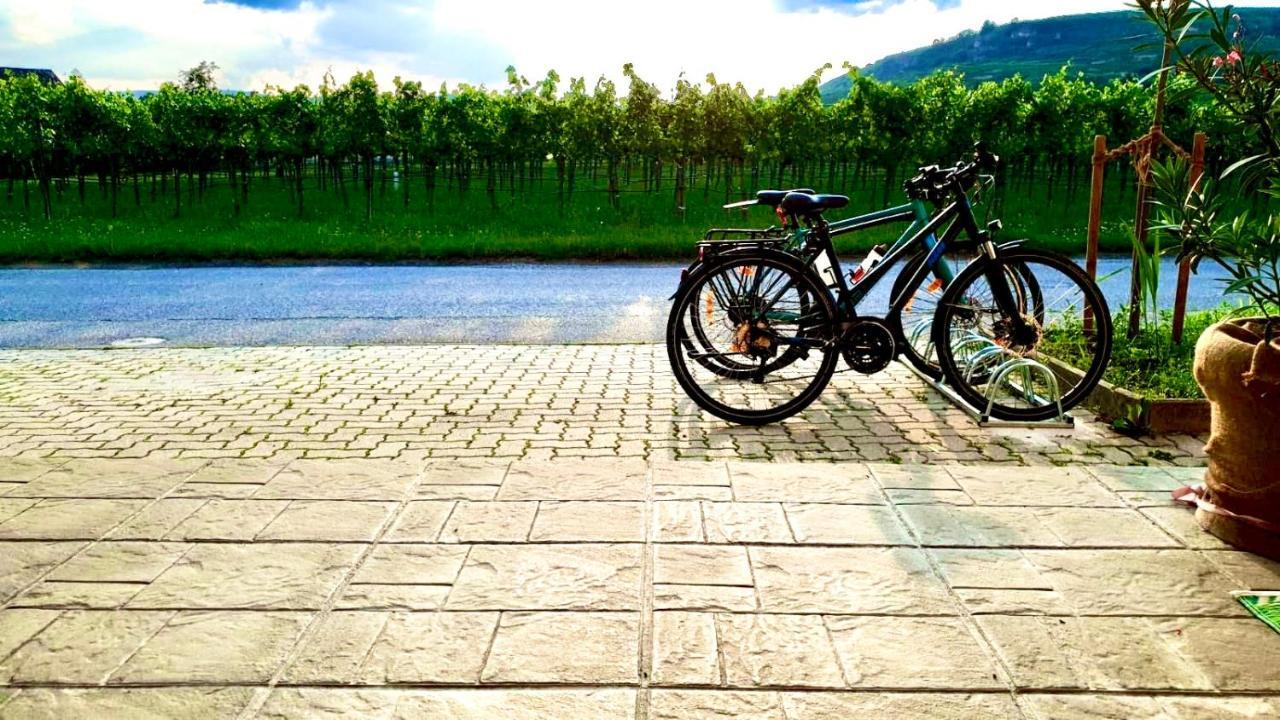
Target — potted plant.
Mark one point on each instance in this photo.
(1237, 361)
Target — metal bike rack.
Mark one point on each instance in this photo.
(986, 356)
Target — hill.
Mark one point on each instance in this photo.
(1101, 45)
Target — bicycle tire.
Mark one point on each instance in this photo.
(950, 305)
(677, 345)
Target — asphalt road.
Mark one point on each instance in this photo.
(352, 304)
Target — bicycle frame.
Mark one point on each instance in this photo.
(957, 218)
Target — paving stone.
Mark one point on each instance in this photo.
(979, 526)
(65, 519)
(549, 577)
(1148, 498)
(292, 703)
(729, 598)
(1098, 527)
(911, 496)
(1136, 582)
(512, 704)
(703, 474)
(1180, 522)
(465, 472)
(228, 520)
(23, 563)
(342, 480)
(599, 479)
(215, 647)
(358, 596)
(837, 483)
(696, 704)
(430, 648)
(479, 493)
(577, 521)
(989, 568)
(1118, 477)
(677, 521)
(19, 626)
(693, 492)
(81, 647)
(1065, 487)
(331, 520)
(1232, 653)
(420, 521)
(777, 650)
(1246, 570)
(1163, 707)
(825, 524)
(157, 519)
(745, 522)
(336, 649)
(701, 565)
(900, 706)
(545, 647)
(78, 595)
(207, 703)
(412, 564)
(1220, 708)
(238, 471)
(293, 576)
(490, 522)
(134, 478)
(944, 653)
(12, 507)
(139, 562)
(472, 403)
(913, 477)
(1013, 601)
(684, 649)
(24, 470)
(1130, 653)
(222, 491)
(847, 580)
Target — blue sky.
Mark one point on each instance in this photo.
(136, 44)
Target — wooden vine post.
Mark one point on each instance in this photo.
(1142, 150)
(1146, 151)
(1184, 267)
(1095, 216)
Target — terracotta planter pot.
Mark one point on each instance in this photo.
(1240, 375)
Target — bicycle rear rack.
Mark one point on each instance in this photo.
(976, 353)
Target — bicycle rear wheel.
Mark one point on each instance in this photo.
(1069, 324)
(765, 321)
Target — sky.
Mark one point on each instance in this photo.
(765, 44)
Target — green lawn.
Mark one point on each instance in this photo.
(527, 224)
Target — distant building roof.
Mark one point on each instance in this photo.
(44, 74)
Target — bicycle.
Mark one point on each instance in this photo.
(917, 315)
(769, 330)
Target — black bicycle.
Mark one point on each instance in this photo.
(755, 334)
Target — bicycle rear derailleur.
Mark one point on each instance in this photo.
(867, 345)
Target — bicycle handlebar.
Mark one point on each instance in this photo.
(935, 183)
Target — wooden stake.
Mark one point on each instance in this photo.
(1184, 268)
(1095, 217)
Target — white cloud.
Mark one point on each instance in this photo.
(140, 43)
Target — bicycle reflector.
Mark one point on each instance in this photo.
(782, 215)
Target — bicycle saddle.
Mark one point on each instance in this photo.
(803, 203)
(773, 197)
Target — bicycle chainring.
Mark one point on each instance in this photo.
(868, 345)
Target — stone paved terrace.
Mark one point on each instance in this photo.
(606, 588)
(534, 402)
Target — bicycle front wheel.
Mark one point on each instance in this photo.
(981, 348)
(749, 338)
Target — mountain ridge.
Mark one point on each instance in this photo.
(1103, 46)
